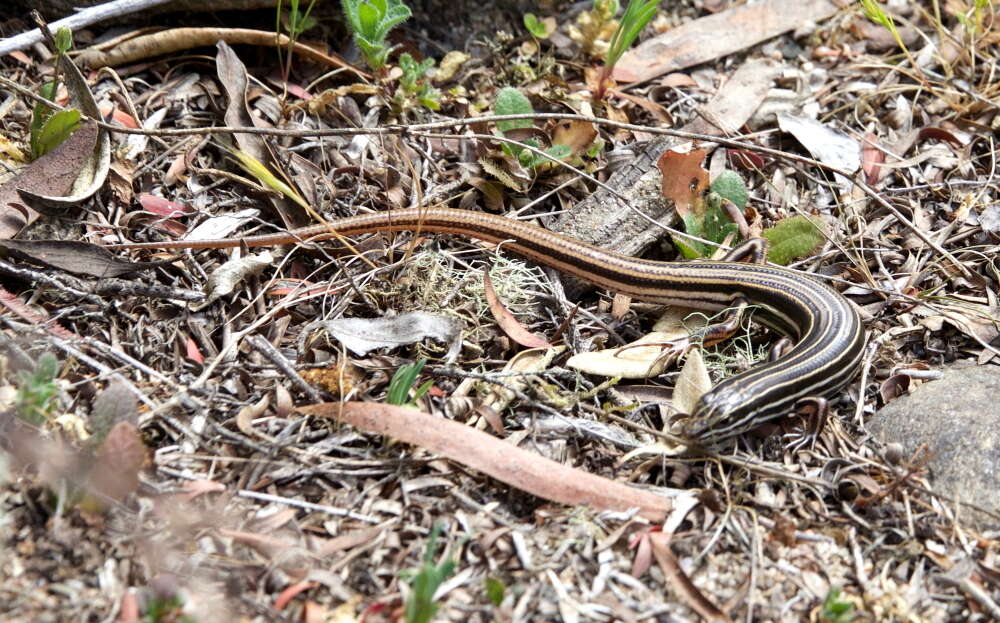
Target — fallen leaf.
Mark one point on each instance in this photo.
(475, 449)
(363, 335)
(510, 325)
(115, 473)
(684, 179)
(575, 134)
(825, 144)
(679, 580)
(224, 279)
(79, 258)
(692, 382)
(163, 207)
(714, 36)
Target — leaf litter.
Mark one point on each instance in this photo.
(575, 504)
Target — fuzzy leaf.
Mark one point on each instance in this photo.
(510, 101)
(793, 238)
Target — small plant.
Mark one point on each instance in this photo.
(874, 11)
(295, 22)
(637, 15)
(594, 28)
(495, 590)
(402, 381)
(708, 218)
(36, 391)
(798, 236)
(164, 609)
(49, 128)
(974, 23)
(835, 610)
(370, 22)
(420, 606)
(537, 27)
(510, 101)
(414, 85)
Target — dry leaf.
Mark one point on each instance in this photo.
(477, 450)
(115, 472)
(681, 583)
(363, 335)
(225, 278)
(510, 325)
(714, 36)
(684, 180)
(79, 258)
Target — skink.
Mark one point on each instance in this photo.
(827, 328)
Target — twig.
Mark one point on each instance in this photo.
(85, 17)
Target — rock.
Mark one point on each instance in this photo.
(958, 417)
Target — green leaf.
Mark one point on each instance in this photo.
(535, 26)
(368, 20)
(64, 40)
(557, 152)
(56, 130)
(399, 386)
(495, 591)
(690, 249)
(792, 238)
(510, 101)
(729, 185)
(637, 15)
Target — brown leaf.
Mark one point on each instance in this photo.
(516, 467)
(52, 174)
(79, 258)
(871, 159)
(510, 325)
(575, 134)
(718, 35)
(115, 473)
(680, 582)
(684, 180)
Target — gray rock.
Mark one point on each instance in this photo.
(958, 417)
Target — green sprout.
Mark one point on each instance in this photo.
(48, 129)
(420, 606)
(402, 382)
(370, 22)
(874, 12)
(637, 15)
(413, 84)
(510, 101)
(36, 391)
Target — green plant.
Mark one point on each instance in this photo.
(495, 590)
(535, 26)
(36, 390)
(637, 15)
(874, 11)
(295, 22)
(402, 381)
(794, 237)
(709, 219)
(48, 128)
(420, 606)
(164, 609)
(413, 85)
(974, 24)
(835, 610)
(370, 22)
(595, 27)
(510, 101)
